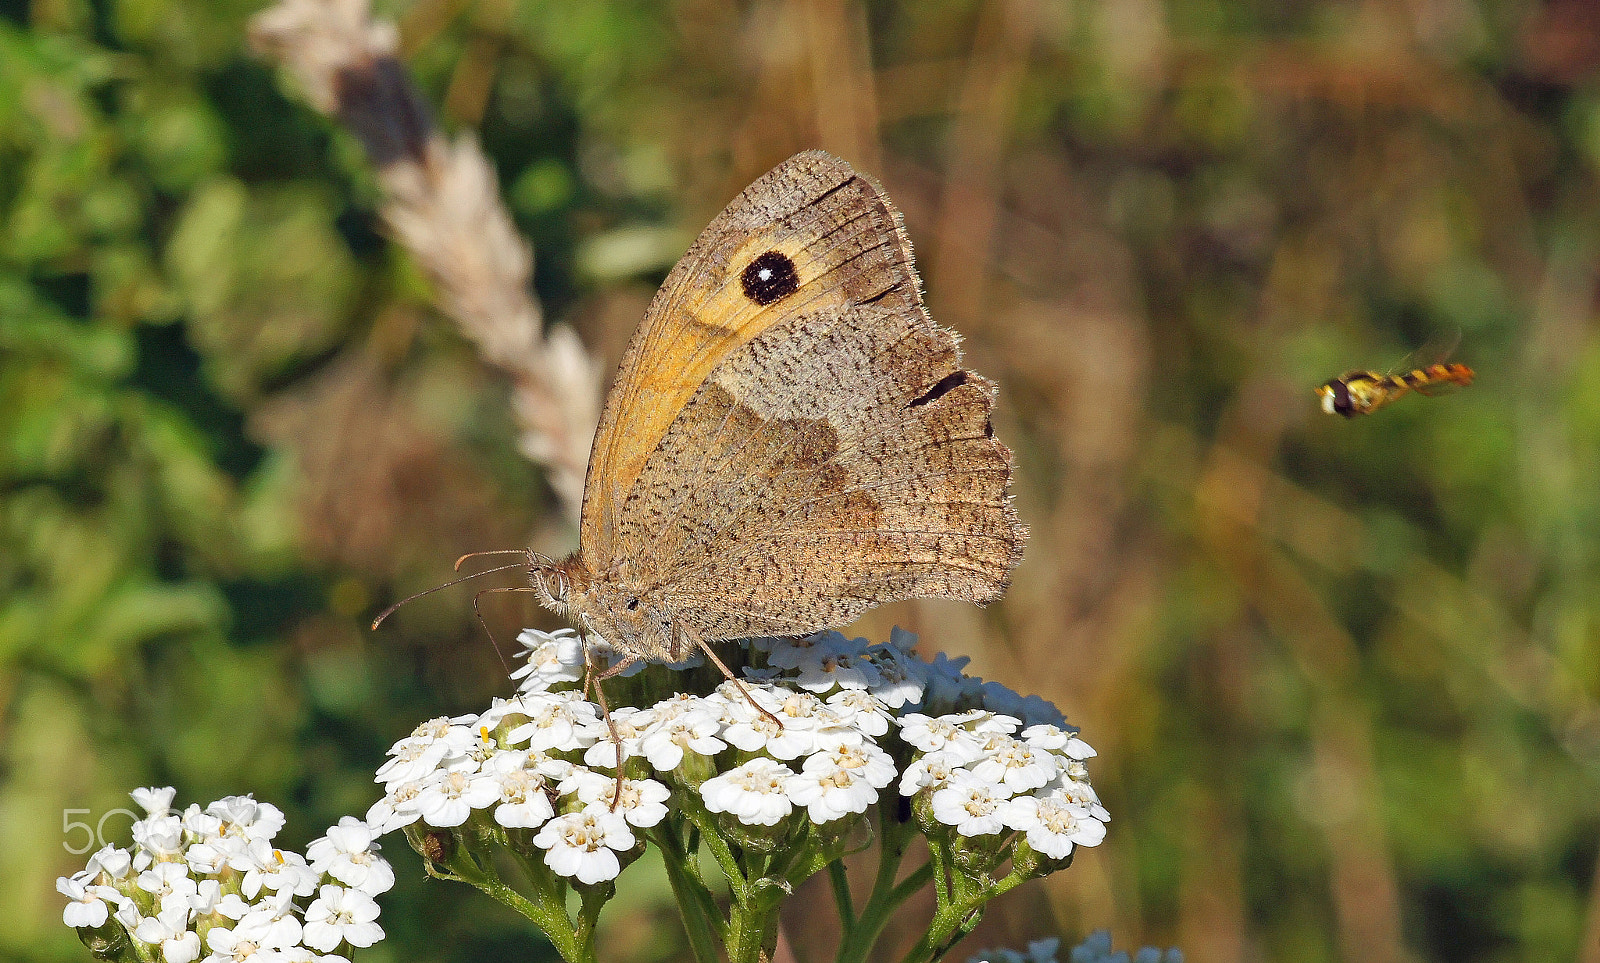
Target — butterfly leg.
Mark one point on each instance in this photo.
(592, 677)
(738, 683)
(479, 613)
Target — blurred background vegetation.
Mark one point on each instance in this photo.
(1343, 676)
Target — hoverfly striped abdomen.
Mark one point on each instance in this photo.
(1363, 392)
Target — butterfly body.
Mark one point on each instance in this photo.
(790, 439)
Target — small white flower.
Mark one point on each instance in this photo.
(242, 815)
(756, 793)
(232, 906)
(826, 660)
(435, 744)
(340, 915)
(1053, 825)
(680, 726)
(553, 658)
(86, 905)
(1033, 709)
(749, 730)
(499, 710)
(113, 861)
(558, 722)
(970, 805)
(642, 801)
(632, 724)
(161, 836)
(255, 938)
(167, 879)
(944, 735)
(274, 922)
(987, 722)
(903, 678)
(862, 711)
(200, 824)
(787, 653)
(272, 869)
(1079, 793)
(156, 801)
(584, 845)
(170, 930)
(1059, 739)
(450, 797)
(934, 769)
(433, 729)
(523, 803)
(252, 939)
(212, 853)
(807, 723)
(947, 687)
(128, 915)
(842, 781)
(228, 945)
(1016, 764)
(838, 670)
(397, 809)
(349, 854)
(411, 759)
(208, 894)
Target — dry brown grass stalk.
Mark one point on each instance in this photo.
(442, 202)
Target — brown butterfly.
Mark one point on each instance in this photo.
(790, 440)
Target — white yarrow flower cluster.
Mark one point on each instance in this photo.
(215, 871)
(813, 734)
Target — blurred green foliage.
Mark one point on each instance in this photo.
(1343, 676)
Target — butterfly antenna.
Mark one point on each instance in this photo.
(455, 581)
(497, 551)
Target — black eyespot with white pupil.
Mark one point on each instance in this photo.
(770, 277)
(633, 604)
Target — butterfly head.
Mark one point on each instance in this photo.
(612, 607)
(550, 579)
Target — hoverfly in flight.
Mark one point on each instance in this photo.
(1363, 392)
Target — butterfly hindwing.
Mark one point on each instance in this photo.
(839, 460)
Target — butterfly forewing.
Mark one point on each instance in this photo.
(845, 245)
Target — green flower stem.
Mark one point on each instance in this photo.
(859, 933)
(942, 860)
(748, 931)
(961, 916)
(547, 910)
(721, 851)
(841, 895)
(701, 918)
(750, 909)
(752, 917)
(592, 899)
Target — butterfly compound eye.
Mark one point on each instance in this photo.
(770, 277)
